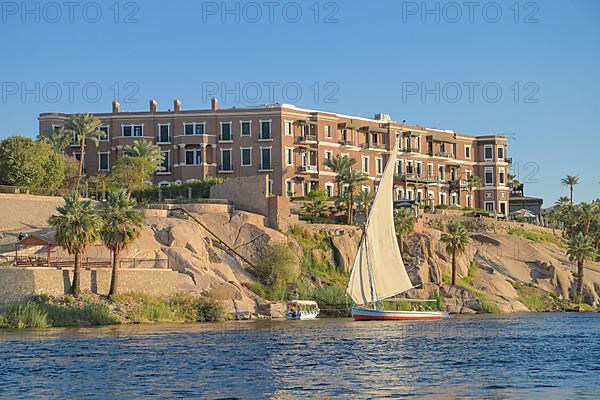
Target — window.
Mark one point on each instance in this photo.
(468, 174)
(399, 167)
(501, 177)
(418, 143)
(327, 131)
(246, 128)
(365, 164)
(193, 157)
(489, 205)
(166, 163)
(103, 137)
(442, 198)
(329, 189)
(193, 128)
(441, 172)
(454, 199)
(56, 128)
(103, 163)
(163, 134)
(379, 165)
(489, 177)
(289, 131)
(226, 165)
(365, 189)
(409, 167)
(226, 132)
(265, 130)
(289, 188)
(74, 139)
(488, 153)
(289, 156)
(409, 194)
(430, 171)
(246, 156)
(500, 153)
(419, 169)
(132, 130)
(270, 188)
(467, 151)
(265, 158)
(328, 156)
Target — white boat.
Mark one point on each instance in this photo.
(378, 272)
(301, 309)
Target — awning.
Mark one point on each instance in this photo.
(38, 240)
(523, 213)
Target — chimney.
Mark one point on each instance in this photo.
(214, 104)
(116, 107)
(176, 105)
(153, 106)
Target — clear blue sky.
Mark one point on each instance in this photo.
(363, 56)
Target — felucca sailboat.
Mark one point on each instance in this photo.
(378, 272)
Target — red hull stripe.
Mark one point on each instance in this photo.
(392, 317)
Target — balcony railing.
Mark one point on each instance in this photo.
(459, 183)
(311, 169)
(418, 178)
(508, 160)
(308, 138)
(377, 146)
(346, 142)
(406, 149)
(444, 154)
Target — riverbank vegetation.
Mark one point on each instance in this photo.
(90, 310)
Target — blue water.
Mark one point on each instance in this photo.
(529, 356)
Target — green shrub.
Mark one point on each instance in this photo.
(25, 315)
(210, 310)
(277, 266)
(91, 313)
(534, 235)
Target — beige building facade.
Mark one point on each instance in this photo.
(291, 146)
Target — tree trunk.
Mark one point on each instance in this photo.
(401, 243)
(114, 280)
(350, 207)
(571, 188)
(76, 285)
(81, 156)
(579, 280)
(453, 268)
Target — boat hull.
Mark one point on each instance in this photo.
(366, 314)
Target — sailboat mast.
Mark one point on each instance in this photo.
(370, 269)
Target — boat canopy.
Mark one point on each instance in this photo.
(302, 303)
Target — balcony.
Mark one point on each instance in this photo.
(406, 150)
(308, 139)
(416, 178)
(163, 139)
(444, 154)
(308, 169)
(458, 184)
(374, 146)
(508, 160)
(346, 142)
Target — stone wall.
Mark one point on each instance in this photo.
(19, 283)
(247, 193)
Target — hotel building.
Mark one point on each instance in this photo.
(292, 144)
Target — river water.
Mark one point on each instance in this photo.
(526, 356)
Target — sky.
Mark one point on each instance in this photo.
(529, 70)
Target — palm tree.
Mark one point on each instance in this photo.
(404, 223)
(587, 215)
(121, 226)
(77, 227)
(570, 181)
(146, 151)
(580, 249)
(84, 127)
(456, 240)
(340, 164)
(365, 199)
(58, 139)
(352, 178)
(472, 182)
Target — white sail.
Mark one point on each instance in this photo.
(378, 272)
